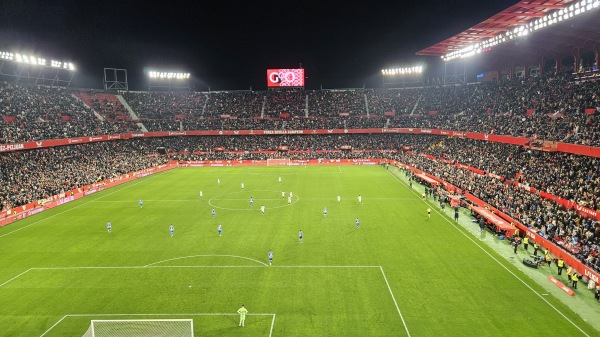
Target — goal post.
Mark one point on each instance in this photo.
(141, 328)
(278, 162)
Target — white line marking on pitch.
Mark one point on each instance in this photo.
(183, 314)
(209, 255)
(85, 203)
(339, 168)
(493, 258)
(272, 325)
(15, 277)
(55, 324)
(395, 303)
(229, 199)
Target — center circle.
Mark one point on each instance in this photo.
(240, 201)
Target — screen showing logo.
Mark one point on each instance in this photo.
(285, 78)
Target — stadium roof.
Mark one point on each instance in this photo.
(551, 39)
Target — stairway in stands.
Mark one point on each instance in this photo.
(107, 105)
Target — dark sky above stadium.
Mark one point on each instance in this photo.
(230, 44)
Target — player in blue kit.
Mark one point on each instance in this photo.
(220, 230)
(212, 212)
(141, 203)
(270, 255)
(109, 227)
(172, 229)
(357, 224)
(300, 236)
(251, 201)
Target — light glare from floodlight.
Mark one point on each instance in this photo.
(416, 70)
(34, 60)
(168, 75)
(525, 29)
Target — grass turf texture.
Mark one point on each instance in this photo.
(334, 284)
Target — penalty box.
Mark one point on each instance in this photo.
(202, 324)
(298, 294)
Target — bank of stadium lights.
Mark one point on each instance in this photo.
(402, 71)
(524, 30)
(168, 75)
(35, 60)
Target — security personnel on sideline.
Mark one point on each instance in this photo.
(569, 271)
(525, 242)
(535, 248)
(548, 259)
(574, 278)
(560, 264)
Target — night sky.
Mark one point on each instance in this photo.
(230, 44)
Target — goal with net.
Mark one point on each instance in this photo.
(278, 162)
(141, 328)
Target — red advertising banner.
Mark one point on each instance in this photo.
(285, 78)
(562, 147)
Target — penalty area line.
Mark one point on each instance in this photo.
(395, 303)
(14, 278)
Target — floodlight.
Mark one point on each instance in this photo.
(169, 75)
(400, 71)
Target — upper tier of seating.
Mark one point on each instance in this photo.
(551, 108)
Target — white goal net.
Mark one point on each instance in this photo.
(141, 328)
(278, 162)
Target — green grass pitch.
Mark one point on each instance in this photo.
(400, 274)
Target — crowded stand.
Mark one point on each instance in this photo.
(160, 105)
(553, 108)
(547, 108)
(288, 102)
(398, 101)
(37, 113)
(334, 103)
(569, 176)
(240, 104)
(27, 176)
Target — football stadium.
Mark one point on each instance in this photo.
(455, 193)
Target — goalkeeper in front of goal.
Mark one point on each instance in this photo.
(242, 311)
